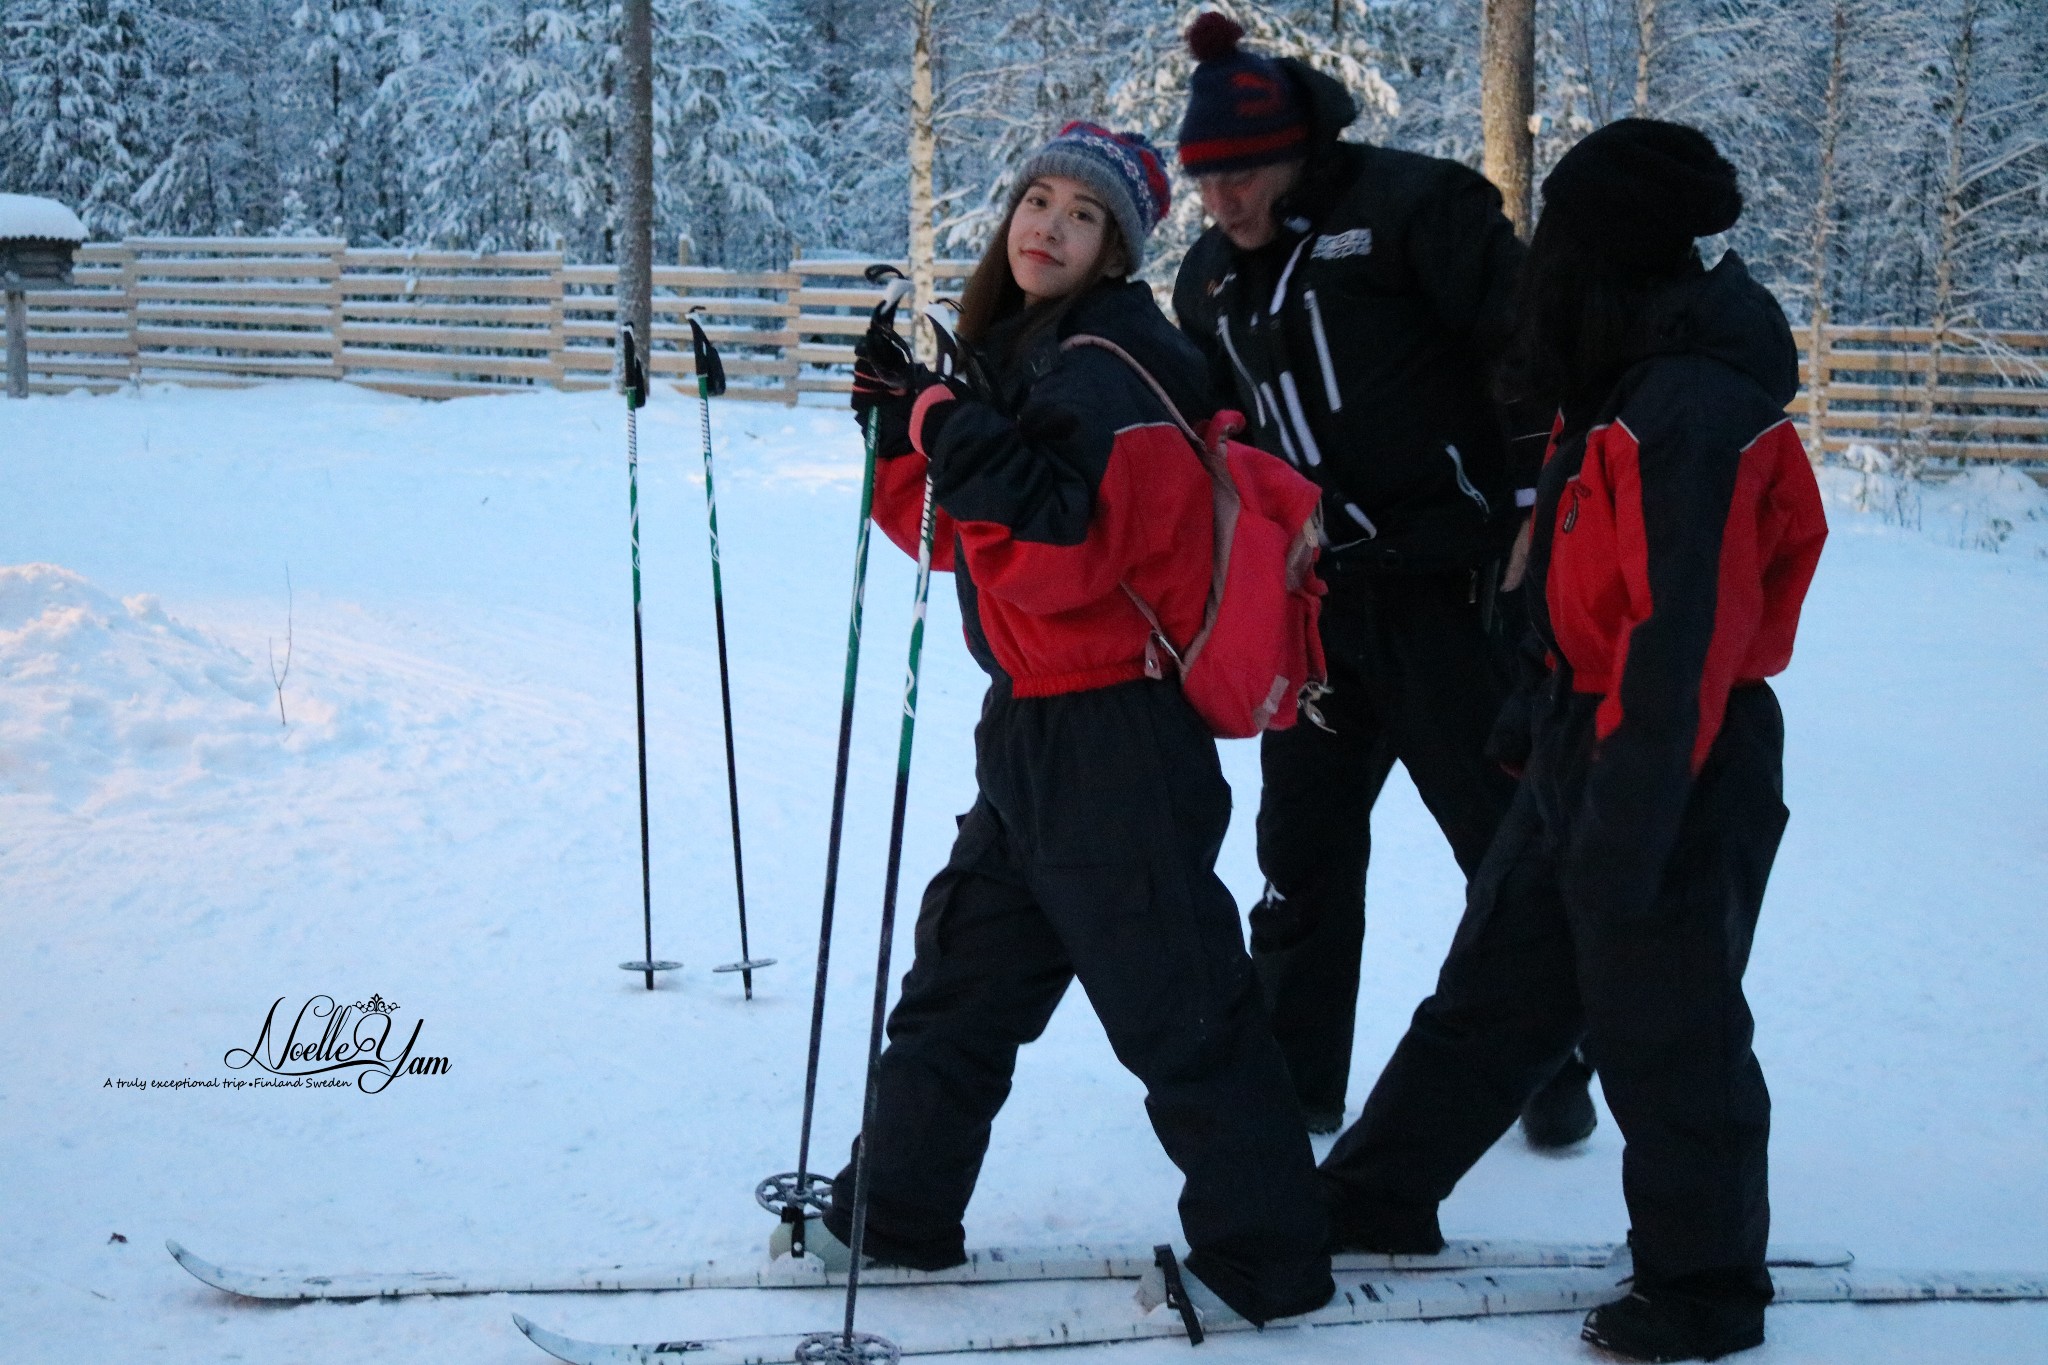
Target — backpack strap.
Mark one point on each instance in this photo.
(1226, 506)
(1158, 390)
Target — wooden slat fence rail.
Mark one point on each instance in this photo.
(1988, 401)
(232, 311)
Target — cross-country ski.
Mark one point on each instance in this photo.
(987, 1265)
(1405, 1298)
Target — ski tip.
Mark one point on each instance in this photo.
(542, 1337)
(204, 1271)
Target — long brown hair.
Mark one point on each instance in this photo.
(992, 292)
(1582, 316)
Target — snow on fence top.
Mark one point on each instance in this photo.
(25, 217)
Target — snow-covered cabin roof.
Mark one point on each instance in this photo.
(26, 217)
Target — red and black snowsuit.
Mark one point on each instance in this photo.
(1677, 529)
(1090, 850)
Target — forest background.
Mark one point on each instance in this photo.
(1894, 152)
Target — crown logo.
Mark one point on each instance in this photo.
(377, 1004)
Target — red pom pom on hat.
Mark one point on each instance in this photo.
(1213, 36)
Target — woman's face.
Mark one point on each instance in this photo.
(1055, 236)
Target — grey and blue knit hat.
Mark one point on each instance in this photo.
(1124, 170)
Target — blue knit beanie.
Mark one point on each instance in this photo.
(1122, 169)
(1243, 110)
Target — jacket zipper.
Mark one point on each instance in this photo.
(1315, 324)
(1258, 399)
(1301, 427)
(1280, 290)
(1464, 484)
(1571, 513)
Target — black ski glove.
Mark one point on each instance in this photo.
(885, 379)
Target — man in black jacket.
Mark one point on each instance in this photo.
(1352, 301)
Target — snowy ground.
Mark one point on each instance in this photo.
(449, 821)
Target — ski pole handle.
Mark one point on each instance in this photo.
(710, 369)
(633, 370)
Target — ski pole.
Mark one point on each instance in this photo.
(634, 375)
(895, 866)
(789, 1196)
(710, 384)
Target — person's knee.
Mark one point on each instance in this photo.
(1527, 1027)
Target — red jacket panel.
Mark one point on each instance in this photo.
(1046, 514)
(1753, 566)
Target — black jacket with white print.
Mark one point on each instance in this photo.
(1360, 345)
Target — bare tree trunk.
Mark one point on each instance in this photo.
(340, 125)
(923, 150)
(17, 344)
(636, 230)
(1646, 48)
(1818, 370)
(1507, 99)
(1951, 220)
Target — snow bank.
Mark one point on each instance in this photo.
(26, 215)
(101, 698)
(1983, 507)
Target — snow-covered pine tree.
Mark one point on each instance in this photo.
(343, 59)
(501, 117)
(855, 125)
(78, 75)
(211, 171)
(731, 152)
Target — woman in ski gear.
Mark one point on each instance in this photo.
(1090, 850)
(1352, 301)
(1677, 527)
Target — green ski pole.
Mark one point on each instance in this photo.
(710, 384)
(634, 376)
(792, 1197)
(889, 881)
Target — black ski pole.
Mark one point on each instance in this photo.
(634, 376)
(864, 1158)
(710, 384)
(792, 1195)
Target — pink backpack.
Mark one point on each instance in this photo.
(1257, 662)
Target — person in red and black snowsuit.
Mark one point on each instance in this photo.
(1091, 847)
(1353, 301)
(1677, 527)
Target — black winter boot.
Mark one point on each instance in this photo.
(1561, 1114)
(1365, 1223)
(1663, 1324)
(879, 1248)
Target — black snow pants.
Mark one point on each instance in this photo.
(1416, 675)
(1091, 853)
(1658, 998)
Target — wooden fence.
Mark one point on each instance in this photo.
(435, 324)
(1990, 401)
(227, 311)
